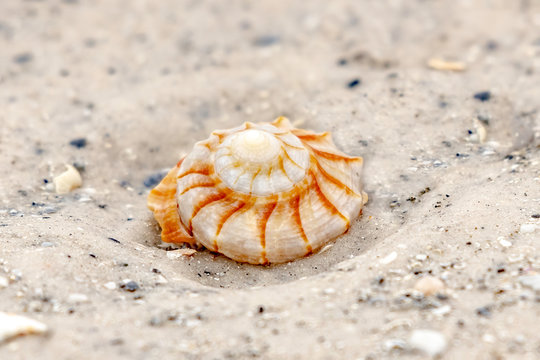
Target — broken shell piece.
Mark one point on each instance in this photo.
(260, 193)
(429, 285)
(68, 180)
(439, 64)
(12, 325)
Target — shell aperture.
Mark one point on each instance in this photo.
(260, 193)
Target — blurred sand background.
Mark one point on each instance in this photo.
(452, 168)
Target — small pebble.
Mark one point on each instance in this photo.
(484, 311)
(47, 244)
(528, 228)
(444, 65)
(388, 258)
(266, 40)
(395, 344)
(67, 181)
(130, 285)
(421, 257)
(430, 342)
(78, 143)
(429, 285)
(110, 285)
(354, 83)
(77, 298)
(482, 95)
(531, 281)
(4, 282)
(23, 58)
(488, 338)
(504, 243)
(12, 325)
(441, 311)
(176, 254)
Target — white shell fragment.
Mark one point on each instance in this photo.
(12, 325)
(68, 180)
(430, 342)
(260, 193)
(444, 65)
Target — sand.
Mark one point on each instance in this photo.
(121, 89)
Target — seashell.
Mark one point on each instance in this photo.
(260, 193)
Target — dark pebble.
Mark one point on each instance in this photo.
(113, 239)
(156, 271)
(492, 45)
(363, 142)
(484, 311)
(482, 95)
(130, 286)
(354, 83)
(78, 143)
(93, 255)
(535, 216)
(23, 58)
(266, 40)
(102, 206)
(261, 309)
(342, 62)
(154, 179)
(118, 341)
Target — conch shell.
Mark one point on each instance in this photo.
(260, 193)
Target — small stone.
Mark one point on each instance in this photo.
(12, 325)
(441, 311)
(47, 244)
(528, 228)
(110, 285)
(484, 311)
(482, 96)
(421, 257)
(77, 298)
(176, 254)
(504, 243)
(68, 180)
(430, 342)
(353, 83)
(266, 40)
(429, 285)
(531, 281)
(4, 282)
(444, 65)
(488, 338)
(23, 58)
(130, 285)
(78, 143)
(395, 344)
(388, 258)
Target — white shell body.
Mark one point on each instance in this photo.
(261, 193)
